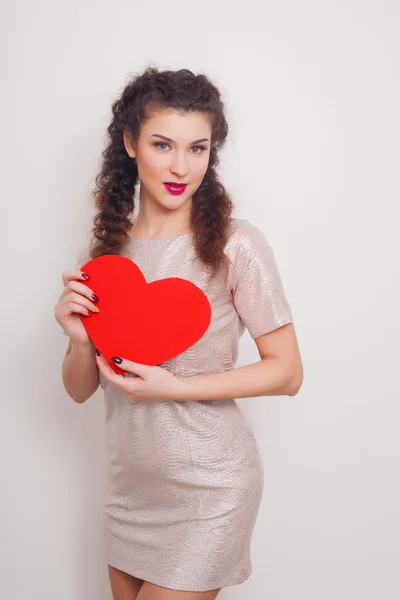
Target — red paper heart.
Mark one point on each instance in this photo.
(147, 323)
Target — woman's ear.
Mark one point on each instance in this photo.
(129, 144)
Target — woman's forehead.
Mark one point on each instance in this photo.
(177, 125)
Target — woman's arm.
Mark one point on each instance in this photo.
(80, 374)
(278, 373)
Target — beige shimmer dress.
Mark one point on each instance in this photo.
(186, 478)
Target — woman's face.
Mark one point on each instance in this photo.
(173, 148)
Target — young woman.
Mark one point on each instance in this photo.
(186, 476)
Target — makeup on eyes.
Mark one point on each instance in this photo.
(194, 144)
(200, 146)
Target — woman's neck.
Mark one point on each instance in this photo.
(141, 232)
(152, 224)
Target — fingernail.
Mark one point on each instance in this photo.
(95, 298)
(117, 360)
(85, 276)
(95, 309)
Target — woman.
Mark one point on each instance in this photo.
(186, 477)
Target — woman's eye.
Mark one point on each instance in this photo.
(194, 149)
(199, 148)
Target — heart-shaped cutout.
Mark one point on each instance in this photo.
(147, 323)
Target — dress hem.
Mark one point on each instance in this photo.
(174, 585)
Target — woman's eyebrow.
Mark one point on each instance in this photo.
(163, 137)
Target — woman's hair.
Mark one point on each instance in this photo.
(115, 184)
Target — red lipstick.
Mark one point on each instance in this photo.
(175, 188)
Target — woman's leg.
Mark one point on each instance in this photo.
(149, 591)
(123, 585)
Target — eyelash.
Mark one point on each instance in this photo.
(202, 148)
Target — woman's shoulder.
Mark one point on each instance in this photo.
(244, 235)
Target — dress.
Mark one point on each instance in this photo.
(186, 478)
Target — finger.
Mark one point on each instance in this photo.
(79, 299)
(74, 275)
(108, 373)
(132, 367)
(71, 307)
(107, 370)
(80, 288)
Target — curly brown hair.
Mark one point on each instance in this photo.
(184, 91)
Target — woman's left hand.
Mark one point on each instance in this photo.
(151, 383)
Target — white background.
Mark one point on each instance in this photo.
(312, 90)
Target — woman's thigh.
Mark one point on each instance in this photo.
(123, 585)
(149, 591)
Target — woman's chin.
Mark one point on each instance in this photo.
(166, 200)
(172, 202)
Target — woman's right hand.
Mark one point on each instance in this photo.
(76, 299)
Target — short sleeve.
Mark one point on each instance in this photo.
(256, 285)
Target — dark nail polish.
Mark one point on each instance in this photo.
(117, 360)
(85, 276)
(95, 298)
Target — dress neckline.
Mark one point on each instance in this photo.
(166, 239)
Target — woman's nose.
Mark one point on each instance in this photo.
(179, 164)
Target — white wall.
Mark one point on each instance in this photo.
(313, 96)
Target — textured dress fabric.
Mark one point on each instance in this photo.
(186, 478)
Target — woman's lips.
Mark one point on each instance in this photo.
(175, 188)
